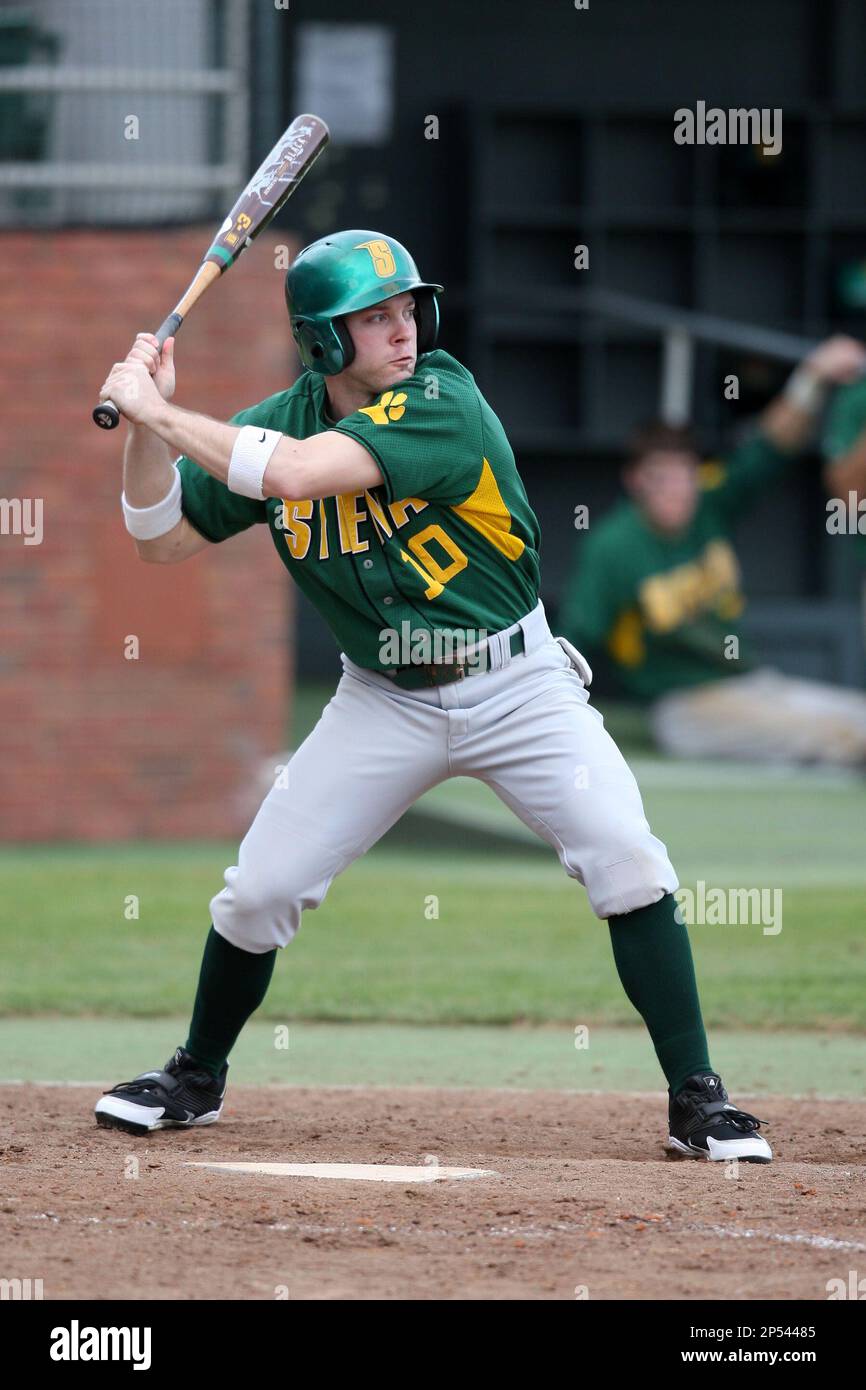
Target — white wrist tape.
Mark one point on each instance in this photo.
(805, 390)
(250, 457)
(146, 523)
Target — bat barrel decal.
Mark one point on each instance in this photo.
(270, 187)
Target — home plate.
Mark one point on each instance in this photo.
(353, 1172)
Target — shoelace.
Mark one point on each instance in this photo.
(146, 1083)
(149, 1083)
(716, 1112)
(741, 1119)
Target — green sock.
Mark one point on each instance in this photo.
(653, 955)
(231, 986)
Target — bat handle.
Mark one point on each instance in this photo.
(106, 415)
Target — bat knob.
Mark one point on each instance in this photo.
(106, 415)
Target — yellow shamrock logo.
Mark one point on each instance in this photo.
(390, 407)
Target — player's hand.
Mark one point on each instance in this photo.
(160, 365)
(132, 388)
(838, 360)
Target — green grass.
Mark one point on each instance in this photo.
(376, 990)
(99, 1050)
(727, 825)
(514, 939)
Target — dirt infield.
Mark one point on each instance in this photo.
(585, 1197)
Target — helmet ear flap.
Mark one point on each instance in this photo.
(309, 343)
(325, 350)
(427, 319)
(345, 337)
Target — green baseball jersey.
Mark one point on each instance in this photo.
(846, 421)
(663, 606)
(447, 542)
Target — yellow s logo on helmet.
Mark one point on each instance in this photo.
(381, 256)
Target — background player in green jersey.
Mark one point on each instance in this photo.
(844, 444)
(392, 496)
(656, 583)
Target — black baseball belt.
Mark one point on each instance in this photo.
(415, 677)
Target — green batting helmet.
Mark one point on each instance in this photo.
(341, 273)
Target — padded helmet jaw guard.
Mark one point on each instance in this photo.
(340, 274)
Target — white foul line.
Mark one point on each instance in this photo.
(794, 1238)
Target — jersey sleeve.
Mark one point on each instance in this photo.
(428, 442)
(737, 483)
(214, 511)
(845, 422)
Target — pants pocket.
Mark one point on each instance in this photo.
(578, 661)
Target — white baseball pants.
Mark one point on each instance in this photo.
(525, 727)
(764, 717)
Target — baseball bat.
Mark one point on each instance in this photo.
(270, 187)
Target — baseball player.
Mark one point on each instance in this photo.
(657, 585)
(844, 448)
(392, 497)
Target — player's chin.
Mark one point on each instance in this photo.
(398, 371)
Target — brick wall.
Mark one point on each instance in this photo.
(95, 746)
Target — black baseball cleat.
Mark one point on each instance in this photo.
(704, 1124)
(183, 1094)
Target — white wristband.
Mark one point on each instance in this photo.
(146, 523)
(805, 390)
(250, 457)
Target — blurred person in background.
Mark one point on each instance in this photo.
(657, 585)
(844, 447)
